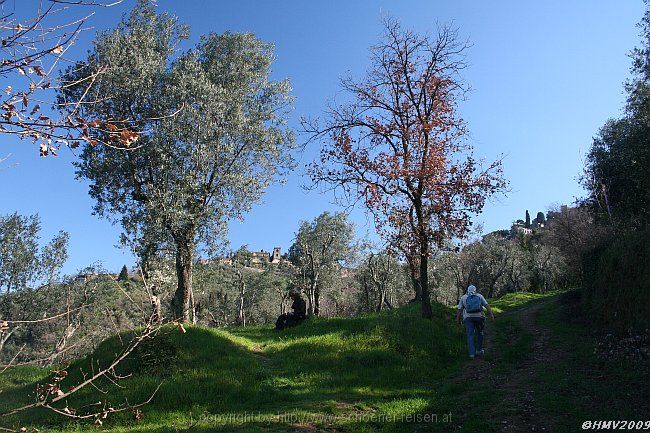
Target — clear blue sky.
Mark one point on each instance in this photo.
(545, 76)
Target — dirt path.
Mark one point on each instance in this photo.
(515, 388)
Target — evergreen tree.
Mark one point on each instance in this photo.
(527, 219)
(124, 274)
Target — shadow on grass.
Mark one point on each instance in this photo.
(394, 363)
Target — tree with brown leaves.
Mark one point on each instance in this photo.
(398, 145)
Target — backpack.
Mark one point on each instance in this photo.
(473, 304)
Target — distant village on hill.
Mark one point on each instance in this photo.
(259, 260)
(527, 227)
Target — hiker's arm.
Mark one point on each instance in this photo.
(489, 310)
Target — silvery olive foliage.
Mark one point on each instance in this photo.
(215, 135)
(321, 247)
(23, 265)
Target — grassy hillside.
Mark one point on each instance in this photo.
(372, 373)
(382, 363)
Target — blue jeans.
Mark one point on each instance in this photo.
(474, 325)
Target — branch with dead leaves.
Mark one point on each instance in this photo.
(32, 49)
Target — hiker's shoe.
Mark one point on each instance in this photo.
(471, 357)
(480, 352)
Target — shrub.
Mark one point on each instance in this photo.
(617, 282)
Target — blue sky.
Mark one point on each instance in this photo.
(545, 76)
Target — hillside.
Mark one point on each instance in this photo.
(380, 372)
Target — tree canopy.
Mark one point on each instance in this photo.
(321, 246)
(398, 146)
(617, 172)
(22, 262)
(192, 171)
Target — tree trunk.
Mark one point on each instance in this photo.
(310, 300)
(382, 299)
(183, 298)
(427, 312)
(5, 333)
(156, 316)
(417, 288)
(242, 294)
(316, 300)
(313, 297)
(366, 293)
(415, 279)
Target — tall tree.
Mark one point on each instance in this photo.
(527, 223)
(21, 262)
(398, 146)
(378, 275)
(572, 232)
(321, 246)
(124, 274)
(18, 250)
(193, 171)
(240, 260)
(617, 172)
(53, 256)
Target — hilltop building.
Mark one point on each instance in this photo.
(528, 227)
(258, 258)
(262, 257)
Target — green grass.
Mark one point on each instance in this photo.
(371, 373)
(594, 389)
(340, 369)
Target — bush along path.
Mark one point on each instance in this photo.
(540, 374)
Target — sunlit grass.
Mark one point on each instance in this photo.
(337, 374)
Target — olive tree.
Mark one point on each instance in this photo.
(188, 173)
(22, 263)
(321, 246)
(379, 275)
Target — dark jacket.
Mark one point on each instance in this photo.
(299, 308)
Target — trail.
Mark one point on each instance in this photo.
(516, 387)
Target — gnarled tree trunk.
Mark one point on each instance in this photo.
(183, 307)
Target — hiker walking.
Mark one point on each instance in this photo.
(471, 305)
